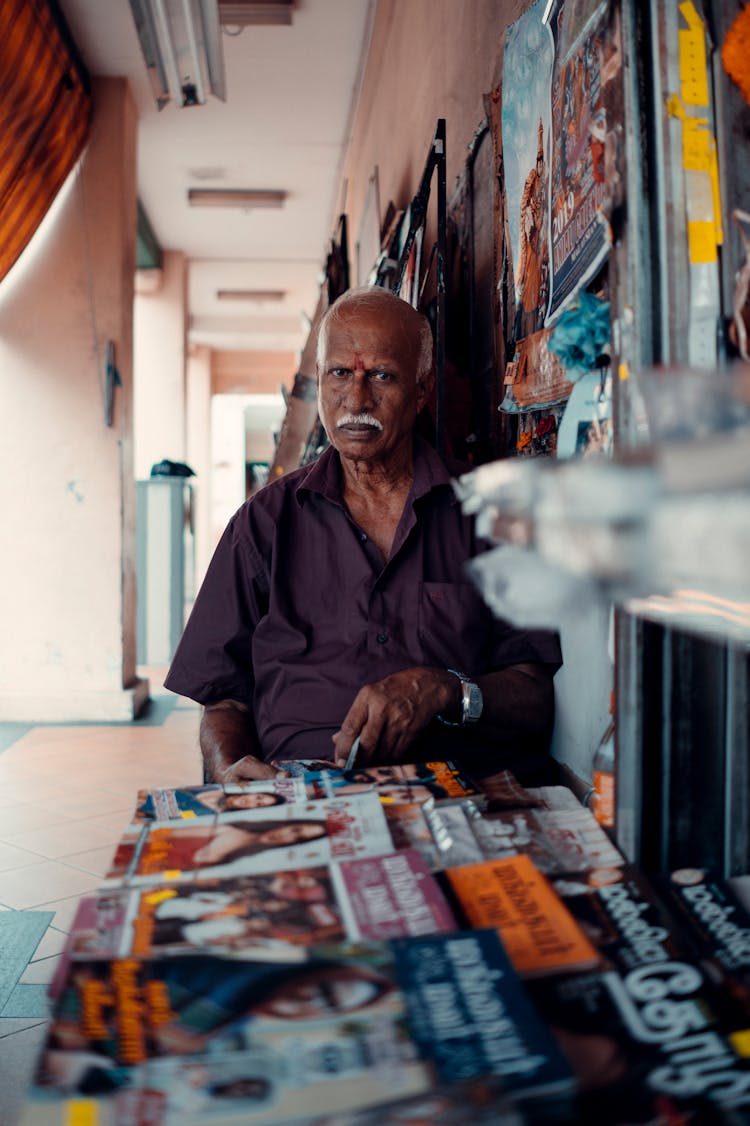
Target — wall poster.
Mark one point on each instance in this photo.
(586, 39)
(527, 76)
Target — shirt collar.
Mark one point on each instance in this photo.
(324, 475)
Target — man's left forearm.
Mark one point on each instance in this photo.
(519, 699)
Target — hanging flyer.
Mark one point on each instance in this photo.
(527, 74)
(587, 56)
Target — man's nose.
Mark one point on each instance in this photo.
(359, 392)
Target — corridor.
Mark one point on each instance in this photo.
(66, 794)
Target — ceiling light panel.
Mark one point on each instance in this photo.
(246, 13)
(181, 45)
(235, 197)
(251, 294)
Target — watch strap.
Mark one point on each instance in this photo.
(468, 687)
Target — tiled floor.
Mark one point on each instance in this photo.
(66, 794)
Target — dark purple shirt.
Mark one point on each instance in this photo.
(298, 611)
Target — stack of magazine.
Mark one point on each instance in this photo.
(397, 944)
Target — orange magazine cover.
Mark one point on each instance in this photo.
(537, 929)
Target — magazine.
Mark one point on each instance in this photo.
(623, 917)
(557, 840)
(263, 917)
(716, 922)
(260, 917)
(169, 804)
(645, 1039)
(454, 832)
(480, 1102)
(502, 790)
(409, 829)
(186, 1040)
(253, 841)
(406, 782)
(537, 929)
(352, 1026)
(395, 894)
(449, 835)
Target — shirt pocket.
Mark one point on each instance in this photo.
(452, 626)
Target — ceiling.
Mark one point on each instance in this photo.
(291, 95)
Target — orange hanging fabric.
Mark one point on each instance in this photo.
(45, 111)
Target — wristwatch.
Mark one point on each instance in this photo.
(471, 701)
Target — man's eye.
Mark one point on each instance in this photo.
(380, 376)
(338, 372)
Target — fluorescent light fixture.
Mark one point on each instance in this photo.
(244, 13)
(235, 197)
(181, 45)
(251, 294)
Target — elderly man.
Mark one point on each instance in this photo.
(336, 606)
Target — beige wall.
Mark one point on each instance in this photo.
(199, 455)
(160, 321)
(67, 596)
(251, 372)
(428, 59)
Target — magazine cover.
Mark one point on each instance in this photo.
(396, 894)
(714, 923)
(207, 800)
(254, 841)
(348, 1028)
(584, 121)
(453, 831)
(263, 917)
(404, 782)
(557, 840)
(643, 1041)
(537, 929)
(208, 1039)
(409, 829)
(471, 1015)
(527, 69)
(623, 917)
(715, 920)
(480, 1102)
(502, 790)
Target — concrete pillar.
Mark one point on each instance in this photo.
(160, 332)
(67, 495)
(199, 454)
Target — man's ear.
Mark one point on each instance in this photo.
(425, 385)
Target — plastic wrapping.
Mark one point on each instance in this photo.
(666, 535)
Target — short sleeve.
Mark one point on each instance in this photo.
(512, 646)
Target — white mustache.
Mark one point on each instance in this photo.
(364, 419)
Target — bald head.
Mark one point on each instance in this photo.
(374, 300)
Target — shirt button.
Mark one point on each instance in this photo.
(381, 638)
(363, 537)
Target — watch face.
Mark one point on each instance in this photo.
(475, 703)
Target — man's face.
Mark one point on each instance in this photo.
(368, 392)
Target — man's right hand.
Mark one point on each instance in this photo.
(246, 769)
(228, 739)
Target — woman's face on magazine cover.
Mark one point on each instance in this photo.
(293, 833)
(298, 886)
(323, 991)
(227, 839)
(378, 774)
(250, 800)
(404, 793)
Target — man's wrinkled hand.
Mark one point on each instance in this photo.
(248, 769)
(390, 714)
